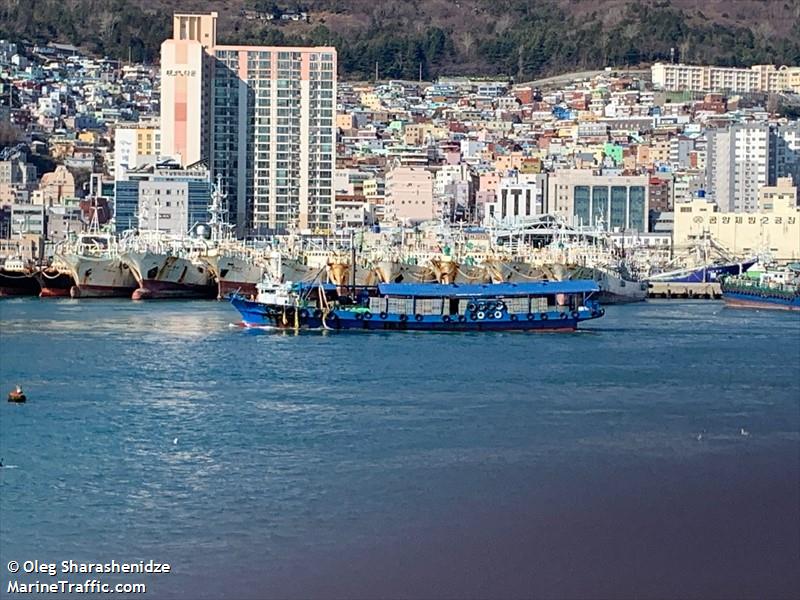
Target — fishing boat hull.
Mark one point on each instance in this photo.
(516, 272)
(614, 289)
(235, 275)
(295, 270)
(97, 277)
(761, 299)
(411, 273)
(54, 284)
(18, 283)
(340, 274)
(704, 274)
(472, 274)
(161, 276)
(255, 314)
(387, 271)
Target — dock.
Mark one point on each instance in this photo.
(659, 289)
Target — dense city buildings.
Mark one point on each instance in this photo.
(744, 157)
(738, 165)
(135, 146)
(163, 197)
(518, 197)
(612, 202)
(295, 149)
(409, 194)
(695, 78)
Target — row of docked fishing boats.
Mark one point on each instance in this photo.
(146, 265)
(98, 266)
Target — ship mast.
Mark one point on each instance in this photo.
(217, 210)
(94, 223)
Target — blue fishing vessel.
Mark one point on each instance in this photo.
(704, 274)
(541, 305)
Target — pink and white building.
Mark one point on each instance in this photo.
(264, 118)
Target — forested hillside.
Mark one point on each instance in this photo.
(519, 38)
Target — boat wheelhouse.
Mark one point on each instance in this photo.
(541, 305)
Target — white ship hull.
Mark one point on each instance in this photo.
(97, 277)
(614, 289)
(340, 274)
(235, 275)
(387, 271)
(295, 271)
(472, 274)
(417, 273)
(164, 276)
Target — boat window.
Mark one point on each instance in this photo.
(453, 306)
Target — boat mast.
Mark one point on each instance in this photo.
(216, 210)
(353, 261)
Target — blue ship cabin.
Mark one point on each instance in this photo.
(481, 299)
(478, 290)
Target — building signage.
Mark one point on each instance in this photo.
(180, 72)
(751, 220)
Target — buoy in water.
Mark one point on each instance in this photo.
(17, 395)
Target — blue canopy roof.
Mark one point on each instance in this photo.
(473, 290)
(304, 286)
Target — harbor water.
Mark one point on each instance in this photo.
(654, 453)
